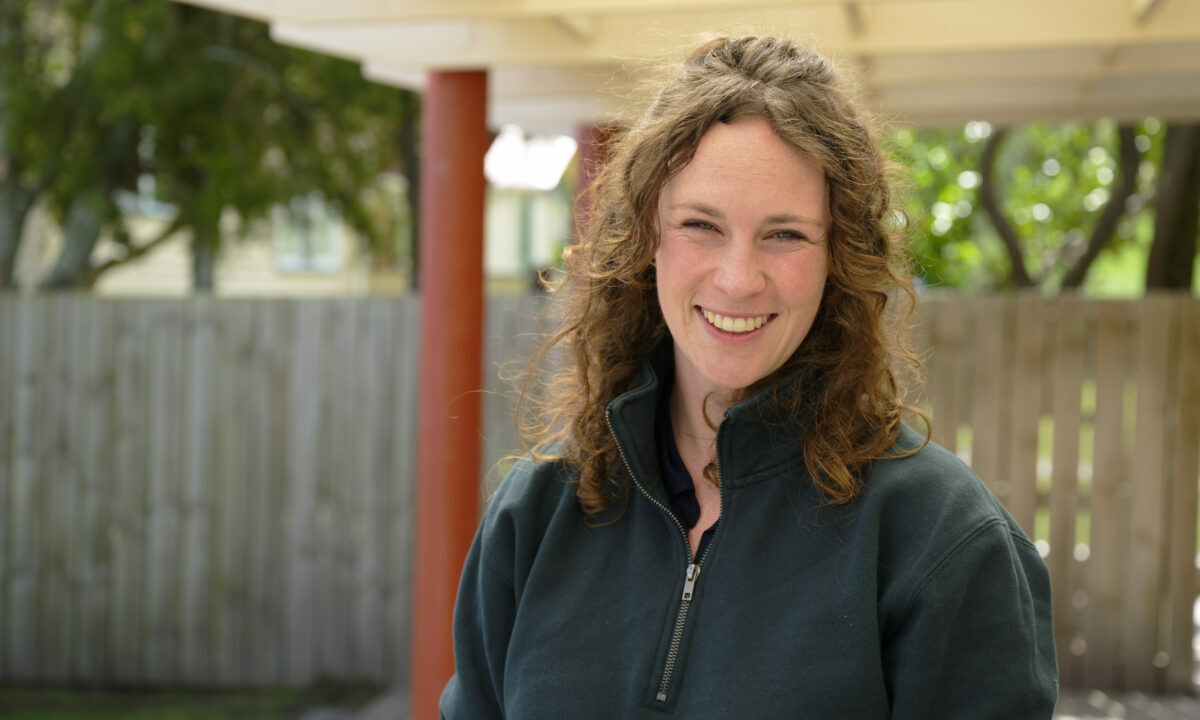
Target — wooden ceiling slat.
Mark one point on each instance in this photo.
(918, 57)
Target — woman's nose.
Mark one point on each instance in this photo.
(741, 270)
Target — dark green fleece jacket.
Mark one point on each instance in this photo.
(920, 600)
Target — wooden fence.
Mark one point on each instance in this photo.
(219, 492)
(205, 492)
(1084, 418)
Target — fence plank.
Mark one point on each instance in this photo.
(273, 395)
(262, 371)
(257, 408)
(177, 336)
(43, 463)
(163, 340)
(1026, 397)
(355, 483)
(197, 516)
(43, 524)
(377, 326)
(339, 637)
(498, 435)
(331, 512)
(1068, 374)
(48, 582)
(1184, 471)
(231, 612)
(400, 490)
(129, 550)
(991, 315)
(1145, 584)
(303, 427)
(156, 588)
(8, 341)
(54, 493)
(101, 418)
(1106, 558)
(914, 381)
(21, 545)
(81, 568)
(511, 332)
(945, 378)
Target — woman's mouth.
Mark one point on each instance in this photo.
(735, 324)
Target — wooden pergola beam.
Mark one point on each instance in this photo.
(913, 57)
(352, 11)
(879, 30)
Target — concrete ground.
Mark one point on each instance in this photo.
(1096, 705)
(1077, 705)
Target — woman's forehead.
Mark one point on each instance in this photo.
(746, 163)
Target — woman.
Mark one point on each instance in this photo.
(722, 515)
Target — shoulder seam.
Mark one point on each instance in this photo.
(1021, 538)
(954, 549)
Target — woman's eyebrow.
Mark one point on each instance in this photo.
(786, 219)
(781, 219)
(699, 207)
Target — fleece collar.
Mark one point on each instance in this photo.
(756, 439)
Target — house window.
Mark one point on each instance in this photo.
(308, 236)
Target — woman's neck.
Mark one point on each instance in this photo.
(697, 408)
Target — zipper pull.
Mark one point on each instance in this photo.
(693, 572)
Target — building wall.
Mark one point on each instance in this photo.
(524, 231)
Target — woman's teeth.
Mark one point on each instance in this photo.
(735, 325)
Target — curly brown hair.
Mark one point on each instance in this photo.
(606, 309)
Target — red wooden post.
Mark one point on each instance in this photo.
(455, 139)
(593, 153)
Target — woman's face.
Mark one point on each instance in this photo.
(742, 257)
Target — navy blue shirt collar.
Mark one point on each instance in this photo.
(680, 487)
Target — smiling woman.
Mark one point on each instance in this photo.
(721, 514)
(741, 261)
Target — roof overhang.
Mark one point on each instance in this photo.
(558, 63)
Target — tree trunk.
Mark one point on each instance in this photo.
(991, 205)
(410, 156)
(15, 203)
(15, 200)
(204, 259)
(1173, 252)
(73, 267)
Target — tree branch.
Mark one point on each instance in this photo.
(1104, 228)
(991, 205)
(134, 252)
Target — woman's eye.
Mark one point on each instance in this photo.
(787, 235)
(698, 225)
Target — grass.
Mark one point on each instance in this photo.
(18, 702)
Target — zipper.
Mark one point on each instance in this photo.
(689, 584)
(642, 488)
(692, 572)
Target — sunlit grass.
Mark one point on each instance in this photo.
(49, 703)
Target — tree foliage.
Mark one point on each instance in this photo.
(1054, 184)
(200, 109)
(101, 100)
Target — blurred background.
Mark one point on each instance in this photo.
(230, 231)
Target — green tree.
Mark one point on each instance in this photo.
(1061, 196)
(201, 106)
(38, 49)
